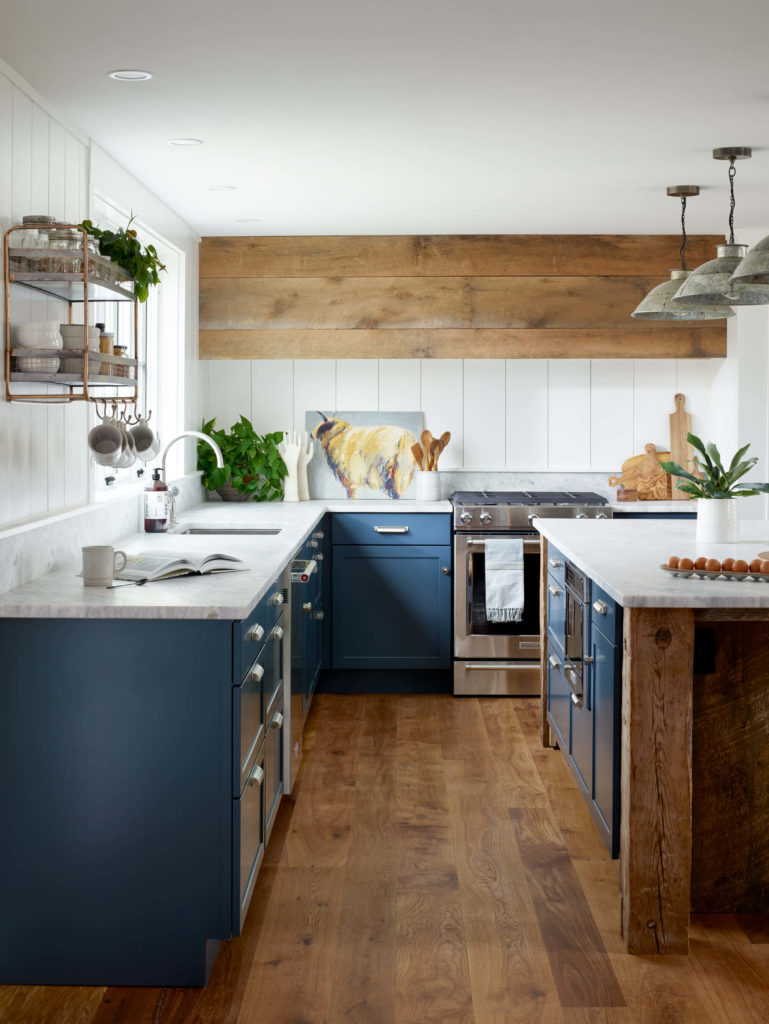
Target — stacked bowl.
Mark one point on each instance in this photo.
(39, 334)
(73, 339)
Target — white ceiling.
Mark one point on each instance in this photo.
(416, 116)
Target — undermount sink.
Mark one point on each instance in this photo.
(266, 531)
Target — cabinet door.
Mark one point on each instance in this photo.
(606, 710)
(558, 696)
(391, 606)
(247, 841)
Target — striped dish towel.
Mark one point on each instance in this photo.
(504, 579)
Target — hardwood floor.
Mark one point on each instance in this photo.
(436, 865)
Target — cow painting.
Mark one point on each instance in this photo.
(377, 457)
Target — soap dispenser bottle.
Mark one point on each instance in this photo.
(157, 505)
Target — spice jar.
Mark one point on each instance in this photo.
(117, 369)
(106, 340)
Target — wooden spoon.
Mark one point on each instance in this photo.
(435, 450)
(445, 438)
(416, 451)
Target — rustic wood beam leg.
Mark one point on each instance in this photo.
(656, 815)
(544, 725)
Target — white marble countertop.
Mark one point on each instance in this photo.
(232, 595)
(624, 557)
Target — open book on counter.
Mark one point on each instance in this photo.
(146, 565)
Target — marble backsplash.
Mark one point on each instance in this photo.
(36, 548)
(469, 480)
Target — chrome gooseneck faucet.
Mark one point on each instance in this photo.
(179, 437)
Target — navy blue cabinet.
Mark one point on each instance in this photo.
(586, 723)
(309, 618)
(391, 591)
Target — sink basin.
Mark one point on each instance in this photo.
(266, 531)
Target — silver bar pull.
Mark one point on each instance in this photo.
(554, 662)
(556, 563)
(600, 607)
(554, 590)
(491, 666)
(391, 529)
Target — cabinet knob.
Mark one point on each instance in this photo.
(600, 607)
(307, 607)
(256, 633)
(319, 557)
(320, 616)
(320, 535)
(257, 673)
(277, 598)
(257, 776)
(278, 632)
(556, 563)
(554, 590)
(554, 662)
(277, 722)
(312, 543)
(445, 570)
(576, 701)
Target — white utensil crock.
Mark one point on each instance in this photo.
(427, 485)
(717, 520)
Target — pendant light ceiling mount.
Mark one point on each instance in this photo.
(658, 304)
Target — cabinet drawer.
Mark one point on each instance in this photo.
(248, 713)
(391, 528)
(606, 615)
(273, 681)
(253, 632)
(556, 610)
(556, 565)
(247, 841)
(273, 767)
(558, 697)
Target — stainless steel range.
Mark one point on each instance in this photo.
(502, 658)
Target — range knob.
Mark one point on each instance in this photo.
(602, 515)
(466, 517)
(582, 515)
(485, 518)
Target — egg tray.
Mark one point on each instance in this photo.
(703, 574)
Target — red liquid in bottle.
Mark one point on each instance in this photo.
(157, 505)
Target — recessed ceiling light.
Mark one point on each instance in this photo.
(127, 75)
(222, 188)
(185, 142)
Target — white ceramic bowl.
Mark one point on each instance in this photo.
(38, 334)
(73, 336)
(36, 364)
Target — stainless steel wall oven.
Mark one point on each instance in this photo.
(503, 658)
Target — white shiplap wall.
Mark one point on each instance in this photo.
(43, 169)
(516, 414)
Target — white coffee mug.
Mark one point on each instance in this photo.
(147, 443)
(100, 563)
(106, 444)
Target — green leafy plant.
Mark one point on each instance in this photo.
(252, 462)
(716, 481)
(124, 248)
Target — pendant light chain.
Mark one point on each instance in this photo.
(683, 232)
(732, 172)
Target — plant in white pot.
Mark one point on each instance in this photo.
(717, 489)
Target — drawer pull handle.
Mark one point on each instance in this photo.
(307, 607)
(256, 633)
(555, 563)
(391, 529)
(277, 722)
(277, 598)
(278, 633)
(554, 590)
(576, 701)
(600, 607)
(312, 543)
(257, 776)
(319, 535)
(554, 662)
(257, 673)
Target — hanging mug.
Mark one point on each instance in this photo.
(145, 440)
(105, 442)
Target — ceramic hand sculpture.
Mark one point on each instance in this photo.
(306, 453)
(289, 449)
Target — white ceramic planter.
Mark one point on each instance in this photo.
(427, 485)
(717, 520)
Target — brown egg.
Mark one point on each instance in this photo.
(755, 565)
(672, 562)
(764, 567)
(699, 563)
(740, 566)
(685, 563)
(713, 565)
(728, 564)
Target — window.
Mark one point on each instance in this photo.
(161, 349)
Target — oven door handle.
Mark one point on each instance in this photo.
(530, 547)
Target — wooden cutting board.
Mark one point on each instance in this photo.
(680, 449)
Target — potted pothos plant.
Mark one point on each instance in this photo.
(124, 248)
(253, 468)
(717, 519)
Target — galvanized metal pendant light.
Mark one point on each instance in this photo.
(658, 304)
(709, 284)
